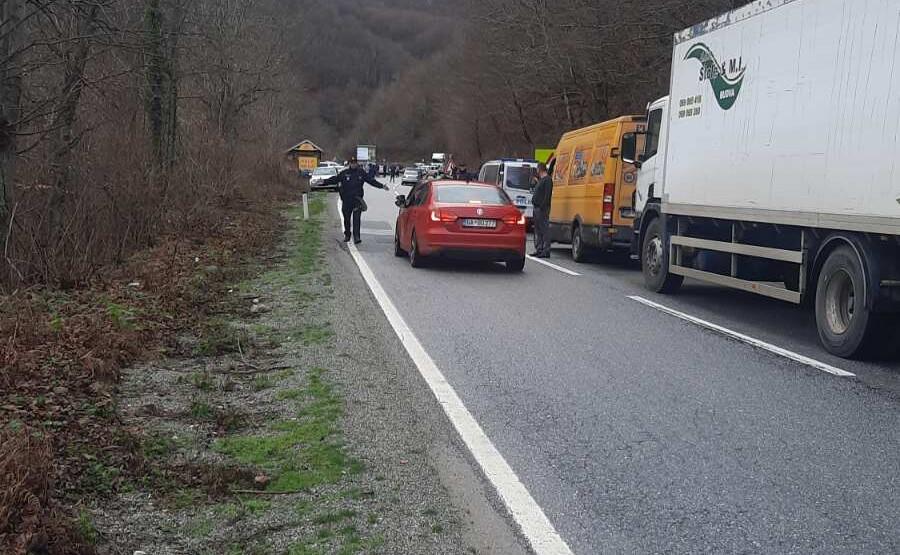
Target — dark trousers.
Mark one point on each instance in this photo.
(348, 209)
(541, 220)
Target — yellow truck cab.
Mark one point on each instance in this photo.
(593, 189)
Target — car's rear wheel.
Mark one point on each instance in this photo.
(579, 252)
(398, 250)
(416, 259)
(515, 265)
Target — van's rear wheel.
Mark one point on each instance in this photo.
(655, 261)
(847, 326)
(579, 251)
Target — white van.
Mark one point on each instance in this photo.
(515, 177)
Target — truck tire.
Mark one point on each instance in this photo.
(655, 261)
(579, 251)
(847, 326)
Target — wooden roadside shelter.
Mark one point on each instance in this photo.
(307, 155)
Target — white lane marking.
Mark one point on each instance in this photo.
(535, 525)
(554, 266)
(796, 357)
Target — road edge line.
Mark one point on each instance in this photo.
(534, 524)
(554, 266)
(774, 349)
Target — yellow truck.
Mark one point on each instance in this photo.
(593, 189)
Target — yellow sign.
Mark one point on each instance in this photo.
(543, 154)
(308, 163)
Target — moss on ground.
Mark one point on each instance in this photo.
(302, 452)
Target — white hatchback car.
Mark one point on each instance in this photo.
(411, 176)
(320, 174)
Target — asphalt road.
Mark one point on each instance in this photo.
(638, 432)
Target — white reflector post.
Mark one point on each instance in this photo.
(305, 206)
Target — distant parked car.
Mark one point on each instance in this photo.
(320, 175)
(411, 176)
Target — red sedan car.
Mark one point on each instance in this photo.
(455, 219)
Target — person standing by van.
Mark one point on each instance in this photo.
(541, 199)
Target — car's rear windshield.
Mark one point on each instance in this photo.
(519, 177)
(325, 171)
(470, 194)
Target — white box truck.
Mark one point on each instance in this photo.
(366, 153)
(773, 166)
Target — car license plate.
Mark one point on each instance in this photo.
(478, 222)
(522, 201)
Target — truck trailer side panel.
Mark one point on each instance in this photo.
(789, 112)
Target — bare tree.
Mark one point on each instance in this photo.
(73, 29)
(10, 93)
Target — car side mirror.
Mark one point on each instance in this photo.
(401, 201)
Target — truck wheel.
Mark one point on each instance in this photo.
(847, 328)
(655, 261)
(579, 252)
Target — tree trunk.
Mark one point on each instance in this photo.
(62, 140)
(477, 133)
(10, 94)
(171, 100)
(520, 111)
(153, 27)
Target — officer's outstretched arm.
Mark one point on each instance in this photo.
(374, 183)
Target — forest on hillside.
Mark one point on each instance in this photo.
(486, 78)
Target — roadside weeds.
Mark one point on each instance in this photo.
(61, 355)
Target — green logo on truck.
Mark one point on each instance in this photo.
(726, 79)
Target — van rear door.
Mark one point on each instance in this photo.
(517, 182)
(626, 179)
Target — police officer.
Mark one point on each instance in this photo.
(350, 186)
